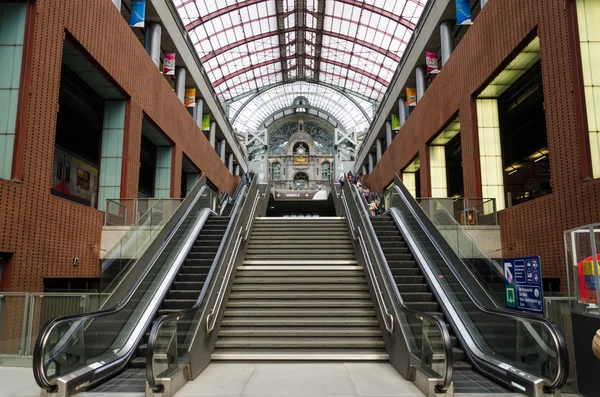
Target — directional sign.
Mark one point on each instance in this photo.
(523, 284)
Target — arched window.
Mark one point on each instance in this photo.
(325, 170)
(301, 181)
(276, 171)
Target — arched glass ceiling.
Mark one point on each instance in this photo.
(355, 45)
(352, 113)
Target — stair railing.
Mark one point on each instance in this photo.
(403, 312)
(388, 319)
(211, 319)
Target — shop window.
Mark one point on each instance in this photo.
(12, 35)
(588, 13)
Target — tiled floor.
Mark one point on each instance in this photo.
(300, 380)
(265, 380)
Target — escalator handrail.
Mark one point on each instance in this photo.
(40, 346)
(423, 316)
(451, 259)
(150, 376)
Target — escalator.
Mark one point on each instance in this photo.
(167, 266)
(182, 294)
(494, 350)
(417, 294)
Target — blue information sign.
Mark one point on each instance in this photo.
(523, 284)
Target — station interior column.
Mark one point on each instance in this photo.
(111, 156)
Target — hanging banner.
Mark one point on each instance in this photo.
(206, 122)
(138, 14)
(395, 122)
(411, 97)
(190, 97)
(169, 64)
(431, 59)
(463, 12)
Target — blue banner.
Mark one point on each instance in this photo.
(523, 284)
(463, 12)
(138, 14)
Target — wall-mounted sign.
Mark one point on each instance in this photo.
(287, 195)
(523, 284)
(138, 14)
(190, 97)
(206, 122)
(395, 122)
(463, 12)
(411, 97)
(169, 64)
(431, 60)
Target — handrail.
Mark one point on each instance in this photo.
(251, 217)
(348, 216)
(211, 319)
(388, 319)
(150, 376)
(423, 316)
(38, 358)
(450, 258)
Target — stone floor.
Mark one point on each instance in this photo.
(266, 380)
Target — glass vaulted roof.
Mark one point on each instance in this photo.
(347, 49)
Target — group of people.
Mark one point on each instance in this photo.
(376, 205)
(248, 177)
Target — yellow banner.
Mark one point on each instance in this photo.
(190, 97)
(411, 97)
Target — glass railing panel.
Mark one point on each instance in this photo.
(73, 344)
(524, 345)
(487, 270)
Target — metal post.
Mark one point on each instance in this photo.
(447, 39)
(388, 133)
(230, 163)
(197, 113)
(379, 149)
(595, 260)
(117, 4)
(364, 169)
(152, 41)
(236, 170)
(371, 163)
(180, 83)
(212, 135)
(421, 76)
(402, 111)
(222, 148)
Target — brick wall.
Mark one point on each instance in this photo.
(46, 232)
(536, 227)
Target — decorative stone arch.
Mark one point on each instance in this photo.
(300, 137)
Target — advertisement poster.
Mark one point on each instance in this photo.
(169, 64)
(431, 59)
(138, 14)
(190, 97)
(411, 97)
(463, 12)
(206, 122)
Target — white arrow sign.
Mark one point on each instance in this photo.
(507, 274)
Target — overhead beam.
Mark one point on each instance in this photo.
(380, 11)
(249, 68)
(282, 44)
(341, 36)
(219, 13)
(354, 69)
(319, 36)
(301, 37)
